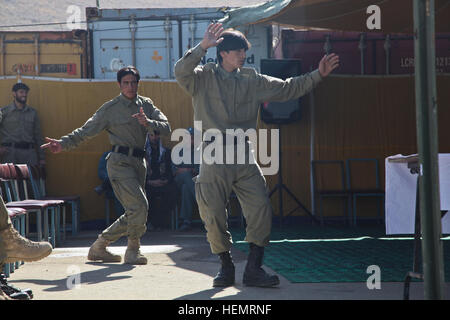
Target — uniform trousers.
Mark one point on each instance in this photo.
(213, 187)
(127, 177)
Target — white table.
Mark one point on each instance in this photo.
(400, 201)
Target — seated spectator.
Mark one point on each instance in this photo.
(160, 185)
(106, 186)
(186, 186)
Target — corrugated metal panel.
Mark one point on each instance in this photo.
(113, 45)
(361, 53)
(113, 48)
(50, 54)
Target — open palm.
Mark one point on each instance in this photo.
(328, 64)
(212, 36)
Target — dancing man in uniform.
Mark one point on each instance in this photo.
(228, 96)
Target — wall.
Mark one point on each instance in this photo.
(354, 117)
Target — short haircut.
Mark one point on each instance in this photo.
(232, 40)
(126, 71)
(19, 86)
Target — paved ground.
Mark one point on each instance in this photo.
(180, 267)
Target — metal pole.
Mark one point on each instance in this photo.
(427, 138)
(133, 28)
(311, 148)
(387, 49)
(362, 47)
(168, 30)
(36, 54)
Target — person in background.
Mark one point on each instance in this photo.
(184, 173)
(160, 185)
(20, 130)
(106, 186)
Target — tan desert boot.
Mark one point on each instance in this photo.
(133, 254)
(98, 251)
(18, 248)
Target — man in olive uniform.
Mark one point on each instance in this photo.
(127, 119)
(20, 130)
(227, 96)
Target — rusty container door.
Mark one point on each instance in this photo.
(46, 54)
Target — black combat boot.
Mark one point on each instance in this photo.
(254, 275)
(13, 292)
(225, 276)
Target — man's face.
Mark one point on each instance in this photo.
(154, 138)
(20, 96)
(233, 59)
(129, 86)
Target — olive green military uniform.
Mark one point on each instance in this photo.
(231, 100)
(5, 223)
(20, 133)
(126, 172)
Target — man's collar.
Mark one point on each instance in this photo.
(226, 75)
(14, 106)
(136, 100)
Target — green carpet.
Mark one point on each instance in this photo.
(331, 254)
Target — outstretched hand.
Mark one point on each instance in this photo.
(141, 117)
(328, 64)
(52, 144)
(212, 36)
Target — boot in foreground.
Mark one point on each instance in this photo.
(11, 292)
(254, 275)
(18, 248)
(225, 276)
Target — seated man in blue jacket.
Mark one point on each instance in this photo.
(184, 173)
(160, 186)
(106, 186)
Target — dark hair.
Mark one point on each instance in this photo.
(126, 71)
(19, 86)
(232, 40)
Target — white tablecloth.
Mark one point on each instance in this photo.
(401, 195)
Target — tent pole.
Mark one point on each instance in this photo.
(311, 147)
(427, 139)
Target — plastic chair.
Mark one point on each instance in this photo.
(38, 177)
(18, 196)
(25, 181)
(329, 182)
(363, 180)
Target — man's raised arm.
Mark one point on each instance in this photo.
(185, 72)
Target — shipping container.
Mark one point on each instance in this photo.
(154, 39)
(49, 54)
(361, 53)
